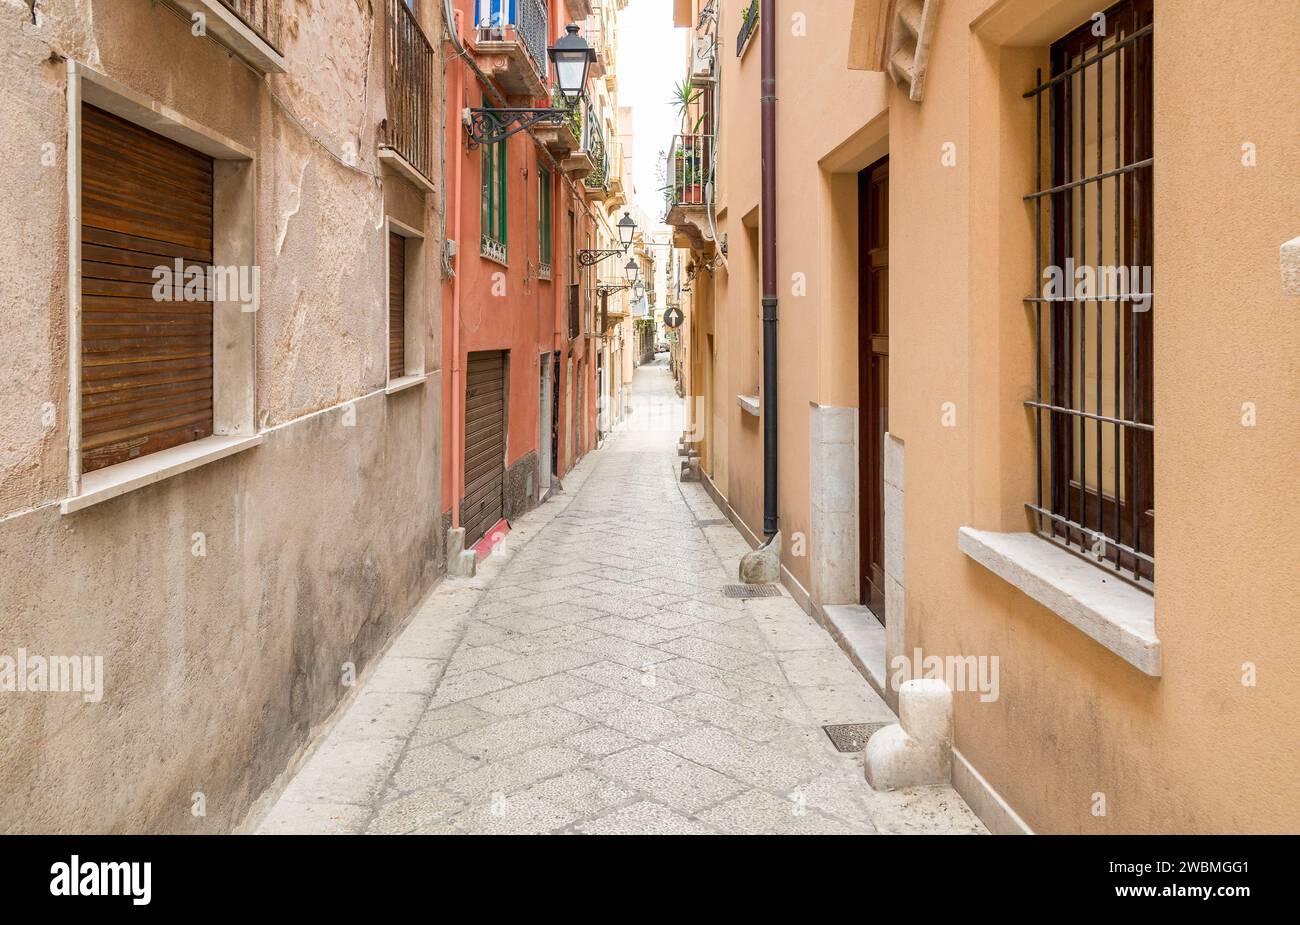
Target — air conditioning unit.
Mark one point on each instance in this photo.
(702, 61)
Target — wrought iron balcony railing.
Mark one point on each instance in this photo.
(690, 165)
(527, 18)
(747, 27)
(407, 128)
(598, 179)
(262, 16)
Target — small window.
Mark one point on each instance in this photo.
(1093, 314)
(396, 305)
(406, 320)
(544, 223)
(493, 244)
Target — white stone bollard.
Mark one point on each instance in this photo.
(918, 749)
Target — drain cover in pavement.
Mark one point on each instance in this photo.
(852, 737)
(748, 591)
(717, 522)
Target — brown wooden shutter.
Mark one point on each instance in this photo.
(396, 306)
(485, 444)
(146, 365)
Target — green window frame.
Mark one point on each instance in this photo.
(544, 217)
(494, 201)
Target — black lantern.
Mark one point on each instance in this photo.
(633, 270)
(572, 57)
(626, 230)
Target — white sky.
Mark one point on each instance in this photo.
(651, 59)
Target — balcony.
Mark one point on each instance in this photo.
(748, 27)
(510, 45)
(579, 9)
(617, 192)
(689, 174)
(597, 182)
(582, 162)
(561, 139)
(249, 28)
(406, 136)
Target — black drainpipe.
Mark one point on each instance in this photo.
(767, 98)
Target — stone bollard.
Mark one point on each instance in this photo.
(762, 566)
(917, 750)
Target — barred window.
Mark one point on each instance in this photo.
(1093, 304)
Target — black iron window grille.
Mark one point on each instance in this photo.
(1093, 298)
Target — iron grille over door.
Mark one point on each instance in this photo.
(1093, 306)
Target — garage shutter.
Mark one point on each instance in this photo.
(146, 365)
(396, 306)
(485, 444)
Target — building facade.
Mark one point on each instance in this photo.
(221, 369)
(980, 396)
(525, 357)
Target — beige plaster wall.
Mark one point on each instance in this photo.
(319, 541)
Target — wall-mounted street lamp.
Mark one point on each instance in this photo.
(571, 57)
(626, 232)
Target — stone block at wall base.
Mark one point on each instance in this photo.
(521, 486)
(917, 750)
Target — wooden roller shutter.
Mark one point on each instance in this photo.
(485, 444)
(396, 306)
(146, 365)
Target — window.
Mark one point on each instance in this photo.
(544, 223)
(146, 342)
(406, 322)
(493, 244)
(163, 296)
(1093, 313)
(396, 305)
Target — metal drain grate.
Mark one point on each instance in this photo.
(749, 591)
(852, 737)
(717, 522)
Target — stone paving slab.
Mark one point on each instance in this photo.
(592, 678)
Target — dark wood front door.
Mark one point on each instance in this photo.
(873, 379)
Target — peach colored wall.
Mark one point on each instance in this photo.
(1193, 750)
(532, 316)
(821, 107)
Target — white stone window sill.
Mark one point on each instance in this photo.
(750, 404)
(1109, 610)
(105, 484)
(406, 382)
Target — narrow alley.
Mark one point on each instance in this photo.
(593, 678)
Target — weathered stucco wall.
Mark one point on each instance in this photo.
(318, 541)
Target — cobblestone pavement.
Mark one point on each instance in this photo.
(594, 679)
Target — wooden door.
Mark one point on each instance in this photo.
(873, 379)
(485, 444)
